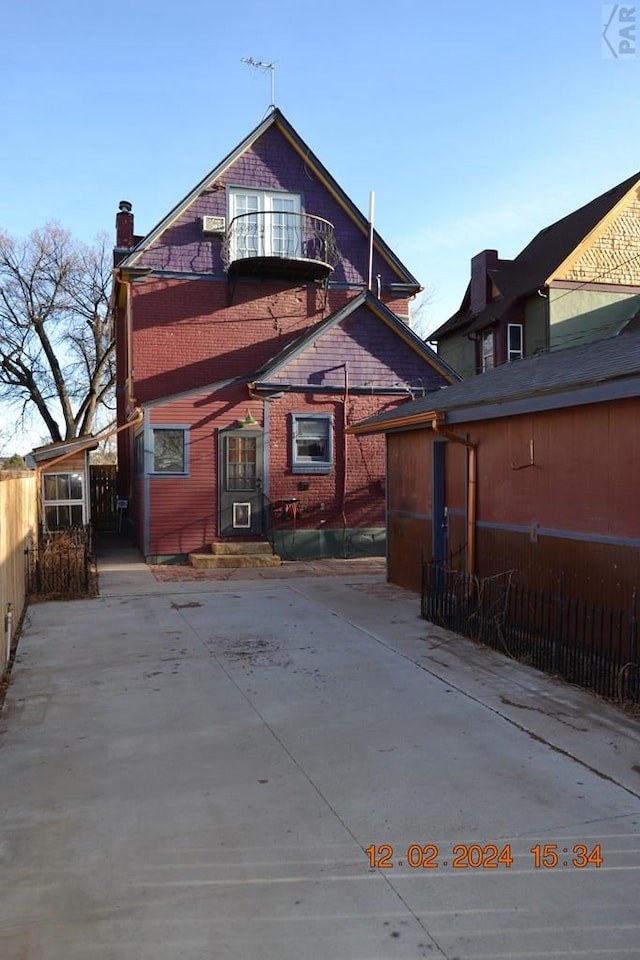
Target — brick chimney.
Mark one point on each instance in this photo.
(480, 266)
(124, 227)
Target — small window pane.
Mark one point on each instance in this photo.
(50, 487)
(51, 518)
(487, 350)
(75, 486)
(241, 463)
(168, 451)
(515, 350)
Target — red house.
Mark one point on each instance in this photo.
(254, 323)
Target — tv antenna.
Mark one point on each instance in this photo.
(261, 65)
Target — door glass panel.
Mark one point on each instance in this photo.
(246, 228)
(241, 463)
(283, 227)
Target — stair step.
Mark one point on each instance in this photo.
(241, 548)
(233, 561)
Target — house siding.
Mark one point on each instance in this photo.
(182, 512)
(614, 254)
(547, 519)
(583, 316)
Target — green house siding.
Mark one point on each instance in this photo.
(535, 337)
(582, 316)
(460, 353)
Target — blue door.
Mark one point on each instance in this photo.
(440, 517)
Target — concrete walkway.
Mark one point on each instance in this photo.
(206, 769)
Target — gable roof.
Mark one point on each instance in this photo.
(537, 262)
(365, 299)
(276, 118)
(588, 373)
(265, 375)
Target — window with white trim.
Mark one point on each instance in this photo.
(515, 341)
(311, 442)
(169, 450)
(63, 500)
(487, 350)
(266, 223)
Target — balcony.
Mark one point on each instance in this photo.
(280, 245)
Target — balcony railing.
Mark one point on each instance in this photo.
(280, 244)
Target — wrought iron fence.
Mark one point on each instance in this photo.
(62, 564)
(583, 642)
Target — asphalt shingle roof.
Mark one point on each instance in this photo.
(569, 369)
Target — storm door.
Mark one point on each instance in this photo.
(240, 483)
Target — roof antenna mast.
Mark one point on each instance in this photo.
(261, 65)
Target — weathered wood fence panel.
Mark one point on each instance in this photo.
(18, 532)
(103, 496)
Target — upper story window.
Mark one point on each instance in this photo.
(488, 359)
(266, 223)
(515, 341)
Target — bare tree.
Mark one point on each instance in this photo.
(57, 353)
(421, 322)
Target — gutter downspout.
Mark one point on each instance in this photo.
(343, 492)
(472, 489)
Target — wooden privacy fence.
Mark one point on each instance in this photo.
(18, 531)
(102, 485)
(584, 642)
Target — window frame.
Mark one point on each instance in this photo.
(68, 502)
(302, 464)
(266, 244)
(152, 469)
(511, 353)
(488, 336)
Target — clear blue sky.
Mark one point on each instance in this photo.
(475, 123)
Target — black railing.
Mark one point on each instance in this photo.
(281, 235)
(583, 642)
(62, 564)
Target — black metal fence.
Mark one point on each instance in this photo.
(581, 641)
(62, 564)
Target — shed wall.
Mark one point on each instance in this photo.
(574, 511)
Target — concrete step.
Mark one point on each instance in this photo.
(240, 548)
(233, 561)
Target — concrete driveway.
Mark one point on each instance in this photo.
(208, 770)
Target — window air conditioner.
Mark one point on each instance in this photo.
(213, 225)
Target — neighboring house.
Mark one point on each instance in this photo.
(532, 467)
(577, 281)
(64, 487)
(247, 339)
